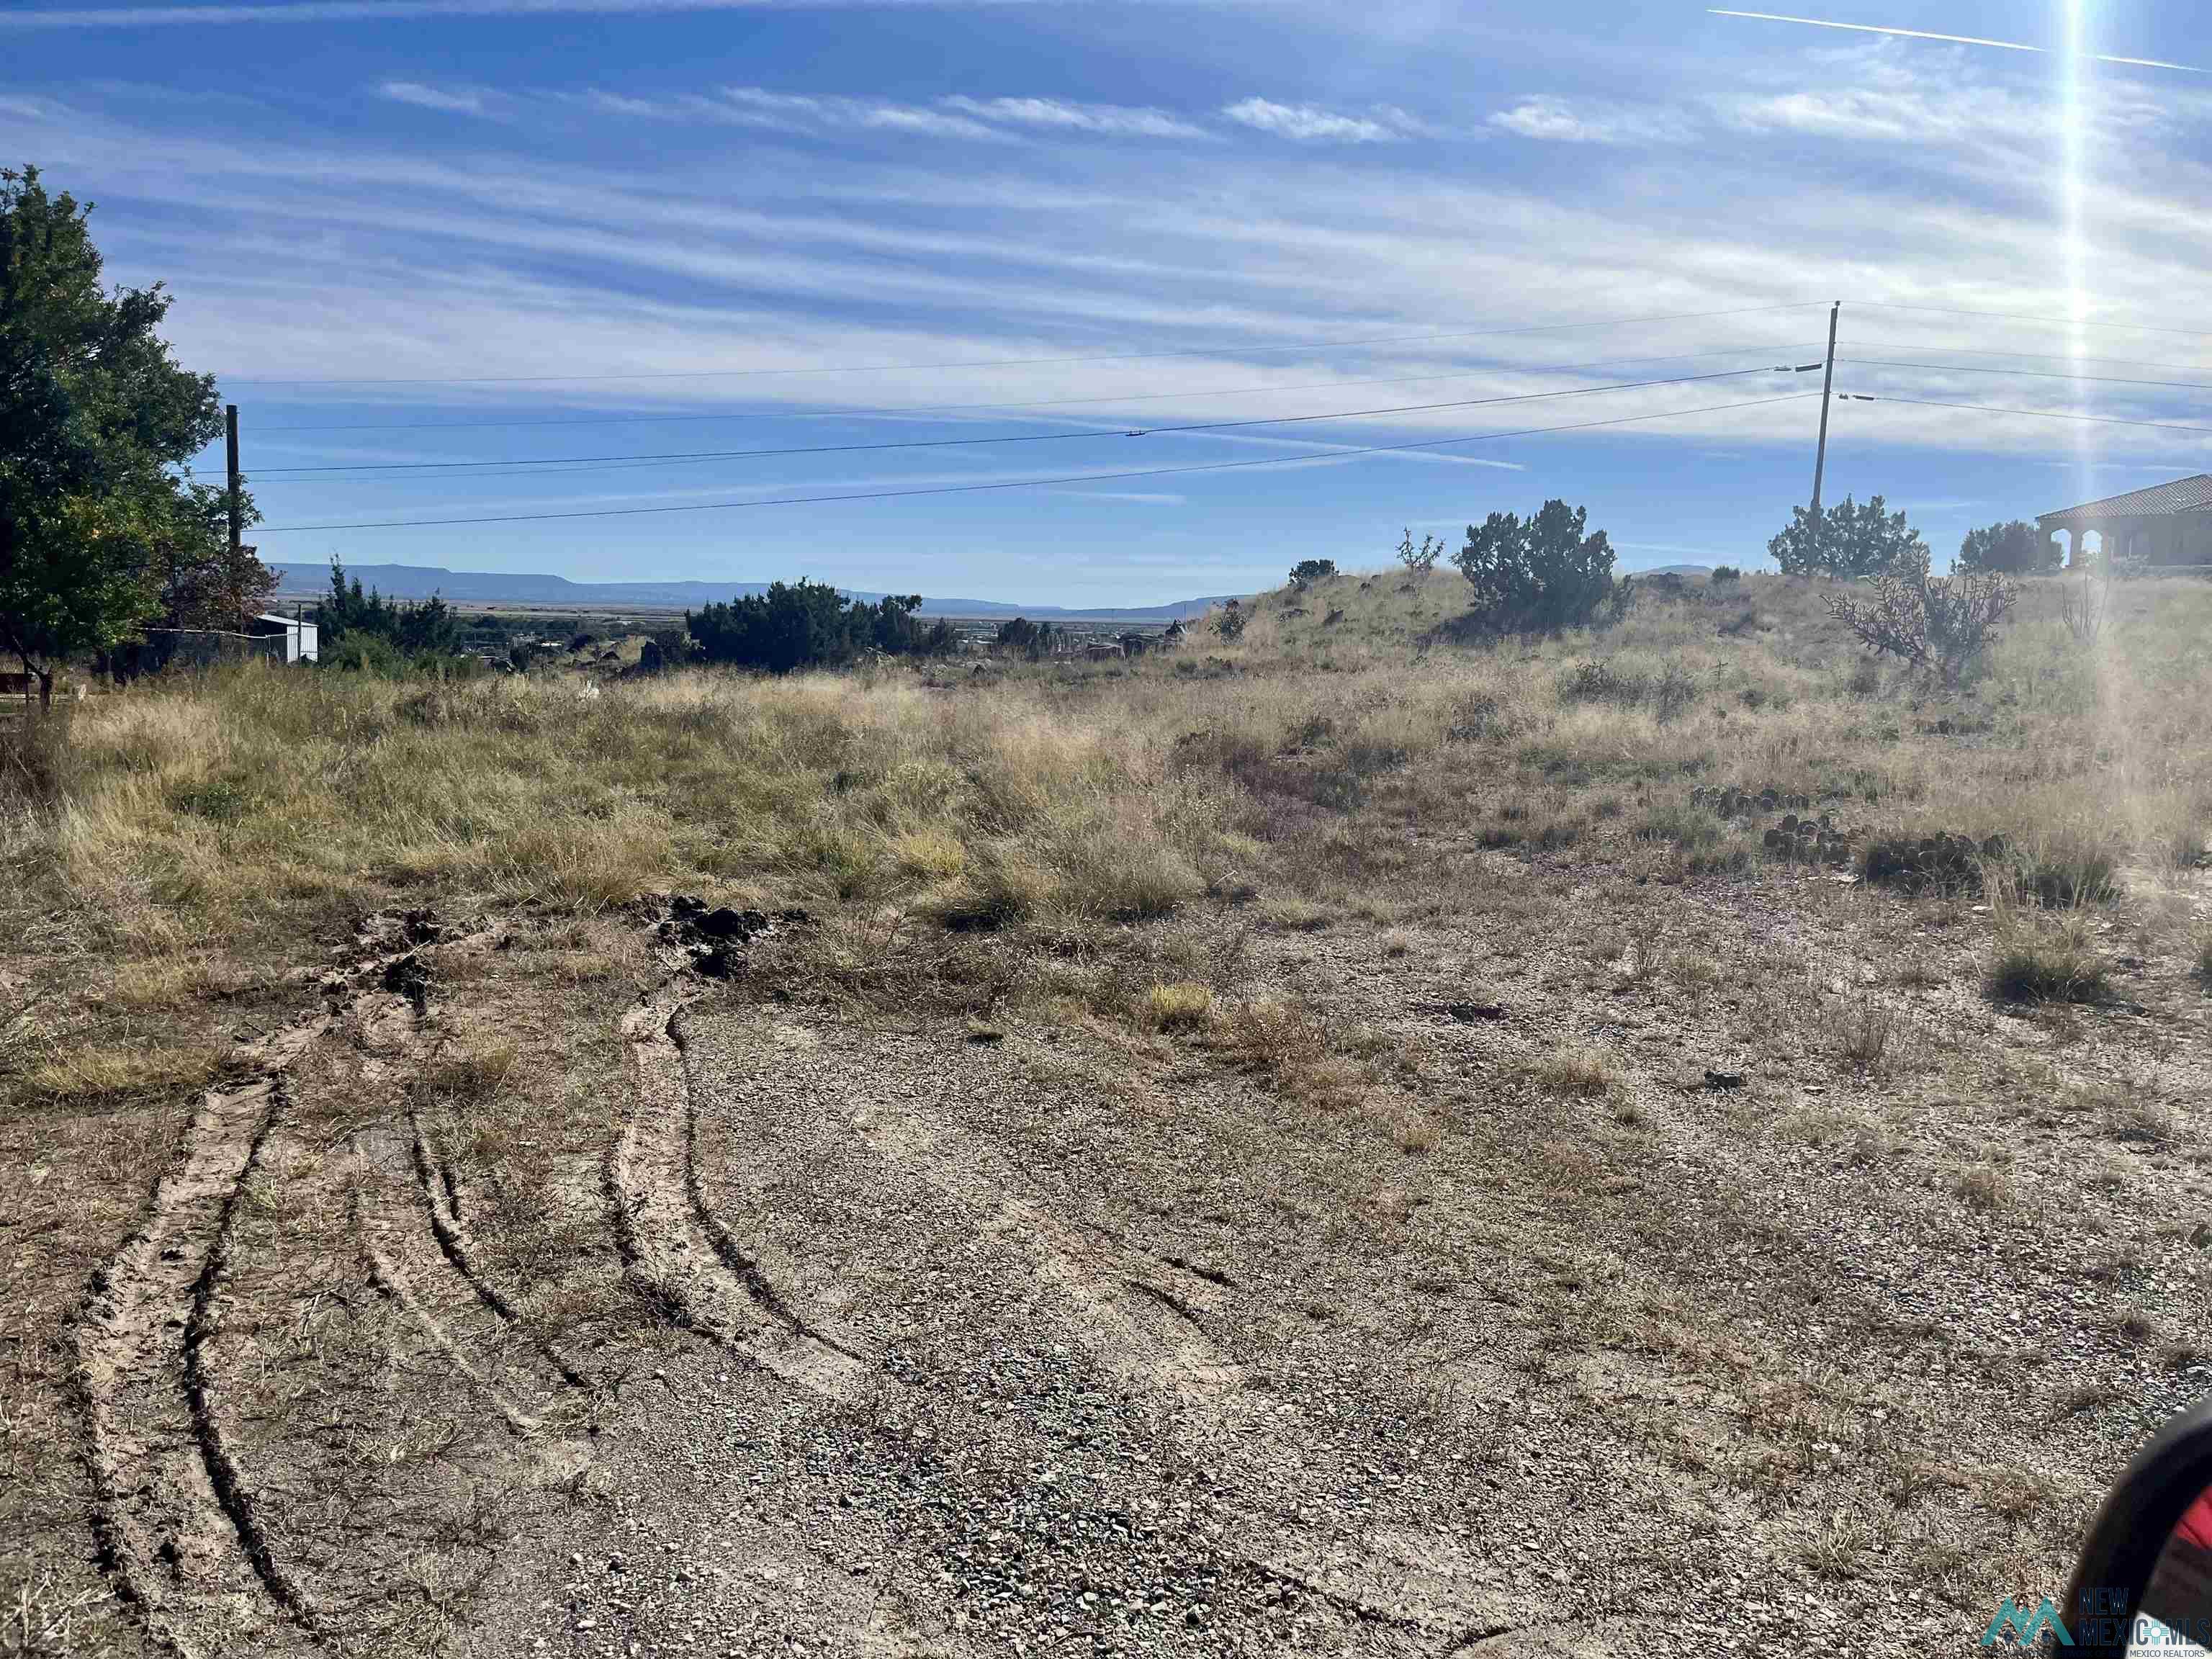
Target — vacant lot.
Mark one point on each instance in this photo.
(1342, 1140)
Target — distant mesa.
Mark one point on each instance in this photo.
(417, 582)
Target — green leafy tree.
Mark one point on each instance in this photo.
(1540, 574)
(1031, 639)
(810, 624)
(1306, 572)
(428, 629)
(97, 426)
(2017, 549)
(1847, 541)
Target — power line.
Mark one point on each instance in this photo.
(2031, 373)
(2023, 316)
(2039, 356)
(2039, 414)
(877, 410)
(583, 462)
(1014, 362)
(1028, 484)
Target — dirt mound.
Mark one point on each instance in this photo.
(714, 938)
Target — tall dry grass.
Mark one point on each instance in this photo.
(250, 800)
(219, 820)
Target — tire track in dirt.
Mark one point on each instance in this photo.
(387, 1278)
(1149, 1338)
(1169, 1353)
(173, 1513)
(1153, 1340)
(434, 1178)
(662, 1218)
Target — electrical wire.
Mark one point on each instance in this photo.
(2039, 414)
(2039, 356)
(585, 462)
(2023, 316)
(1013, 362)
(1027, 483)
(886, 410)
(2030, 374)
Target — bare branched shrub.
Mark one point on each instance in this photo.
(1420, 560)
(2081, 608)
(1940, 625)
(1863, 1044)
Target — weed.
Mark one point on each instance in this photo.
(1985, 1188)
(1579, 1072)
(1863, 1044)
(1284, 1043)
(2048, 963)
(1184, 1005)
(471, 1077)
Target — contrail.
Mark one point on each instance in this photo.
(1953, 39)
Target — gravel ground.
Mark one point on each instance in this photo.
(1630, 1271)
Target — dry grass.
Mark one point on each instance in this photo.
(2036, 960)
(1258, 858)
(1185, 1005)
(1578, 1072)
(81, 1071)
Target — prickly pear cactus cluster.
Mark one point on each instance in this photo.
(1804, 839)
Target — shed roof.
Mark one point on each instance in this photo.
(2182, 495)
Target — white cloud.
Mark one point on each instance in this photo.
(805, 111)
(1307, 125)
(1554, 120)
(1886, 95)
(453, 102)
(382, 261)
(995, 119)
(1111, 120)
(1000, 120)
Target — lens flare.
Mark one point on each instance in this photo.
(2073, 169)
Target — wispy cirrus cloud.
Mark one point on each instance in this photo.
(802, 110)
(959, 115)
(1310, 124)
(1110, 120)
(1551, 120)
(998, 120)
(452, 101)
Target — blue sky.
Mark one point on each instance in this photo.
(1177, 214)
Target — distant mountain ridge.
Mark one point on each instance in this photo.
(417, 581)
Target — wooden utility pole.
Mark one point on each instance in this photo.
(1820, 460)
(230, 458)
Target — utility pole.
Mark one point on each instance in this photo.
(230, 457)
(1820, 460)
